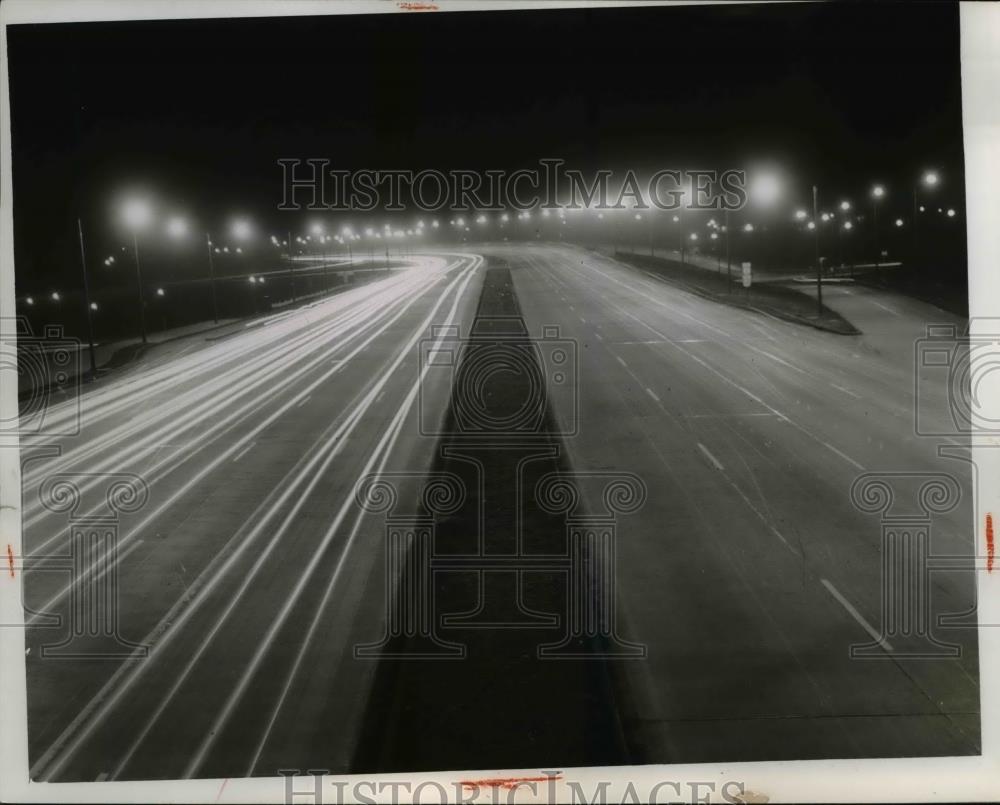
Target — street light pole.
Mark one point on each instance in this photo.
(729, 259)
(138, 279)
(86, 301)
(326, 273)
(680, 235)
(211, 277)
(291, 264)
(878, 247)
(819, 272)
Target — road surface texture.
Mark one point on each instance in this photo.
(248, 572)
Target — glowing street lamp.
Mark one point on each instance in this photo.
(801, 215)
(137, 213)
(765, 190)
(55, 296)
(177, 227)
(845, 205)
(899, 222)
(242, 229)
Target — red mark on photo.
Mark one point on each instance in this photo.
(506, 782)
(10, 559)
(990, 547)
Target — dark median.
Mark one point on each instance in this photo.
(769, 298)
(504, 704)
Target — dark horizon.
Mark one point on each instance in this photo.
(831, 98)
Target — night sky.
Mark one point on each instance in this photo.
(200, 110)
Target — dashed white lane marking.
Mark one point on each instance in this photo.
(886, 308)
(729, 416)
(710, 457)
(583, 319)
(243, 452)
(599, 336)
(846, 391)
(745, 391)
(303, 401)
(652, 394)
(776, 359)
(100, 778)
(381, 394)
(857, 615)
(618, 358)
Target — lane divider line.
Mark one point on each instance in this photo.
(857, 615)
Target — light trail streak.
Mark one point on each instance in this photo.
(128, 674)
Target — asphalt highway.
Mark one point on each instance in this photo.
(250, 572)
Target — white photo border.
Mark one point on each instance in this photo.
(942, 779)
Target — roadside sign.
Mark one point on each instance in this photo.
(747, 275)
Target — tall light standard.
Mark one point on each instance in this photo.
(86, 301)
(845, 207)
(929, 180)
(317, 230)
(347, 235)
(211, 278)
(729, 256)
(819, 270)
(878, 192)
(848, 226)
(291, 262)
(138, 213)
